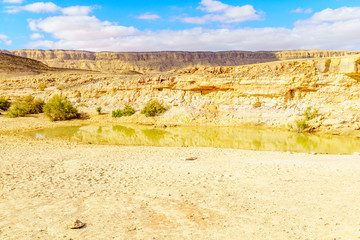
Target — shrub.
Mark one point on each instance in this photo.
(311, 113)
(98, 110)
(117, 113)
(152, 108)
(58, 108)
(42, 86)
(26, 105)
(126, 111)
(301, 125)
(4, 104)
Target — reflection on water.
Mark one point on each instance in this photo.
(222, 137)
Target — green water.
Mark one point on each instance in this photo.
(221, 137)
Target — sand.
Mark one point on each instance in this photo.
(124, 192)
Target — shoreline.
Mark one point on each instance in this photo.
(137, 192)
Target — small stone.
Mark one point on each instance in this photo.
(188, 158)
(76, 225)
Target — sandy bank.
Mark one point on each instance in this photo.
(150, 193)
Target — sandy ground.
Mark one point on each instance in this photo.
(151, 193)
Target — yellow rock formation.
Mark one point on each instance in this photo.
(274, 93)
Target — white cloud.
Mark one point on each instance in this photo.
(49, 7)
(13, 1)
(5, 40)
(80, 28)
(148, 16)
(328, 29)
(224, 13)
(333, 15)
(77, 10)
(36, 36)
(302, 10)
(38, 7)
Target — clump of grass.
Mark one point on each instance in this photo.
(26, 105)
(4, 104)
(126, 111)
(98, 110)
(153, 108)
(59, 108)
(60, 87)
(42, 86)
(311, 113)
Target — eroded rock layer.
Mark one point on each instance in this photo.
(274, 94)
(146, 62)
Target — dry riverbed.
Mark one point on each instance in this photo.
(123, 192)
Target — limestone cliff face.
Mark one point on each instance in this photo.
(147, 62)
(274, 93)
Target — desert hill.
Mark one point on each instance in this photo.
(15, 65)
(147, 62)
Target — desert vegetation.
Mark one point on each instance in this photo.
(59, 108)
(302, 124)
(98, 110)
(25, 105)
(4, 104)
(126, 111)
(42, 86)
(153, 108)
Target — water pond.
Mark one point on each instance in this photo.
(220, 137)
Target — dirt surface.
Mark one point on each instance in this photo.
(122, 192)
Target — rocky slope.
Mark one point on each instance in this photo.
(272, 94)
(147, 62)
(14, 65)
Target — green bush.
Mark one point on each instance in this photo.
(4, 104)
(152, 108)
(126, 111)
(98, 110)
(58, 109)
(301, 125)
(26, 105)
(311, 113)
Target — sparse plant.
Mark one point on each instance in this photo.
(4, 104)
(311, 113)
(301, 125)
(98, 110)
(42, 86)
(60, 87)
(126, 111)
(26, 105)
(59, 108)
(153, 108)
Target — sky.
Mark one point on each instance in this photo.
(187, 25)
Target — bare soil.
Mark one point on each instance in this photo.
(124, 192)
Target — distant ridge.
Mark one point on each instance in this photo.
(144, 62)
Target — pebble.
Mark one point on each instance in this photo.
(188, 158)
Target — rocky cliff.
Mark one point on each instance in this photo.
(147, 62)
(273, 94)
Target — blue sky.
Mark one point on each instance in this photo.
(202, 25)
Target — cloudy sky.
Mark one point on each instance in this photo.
(189, 25)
